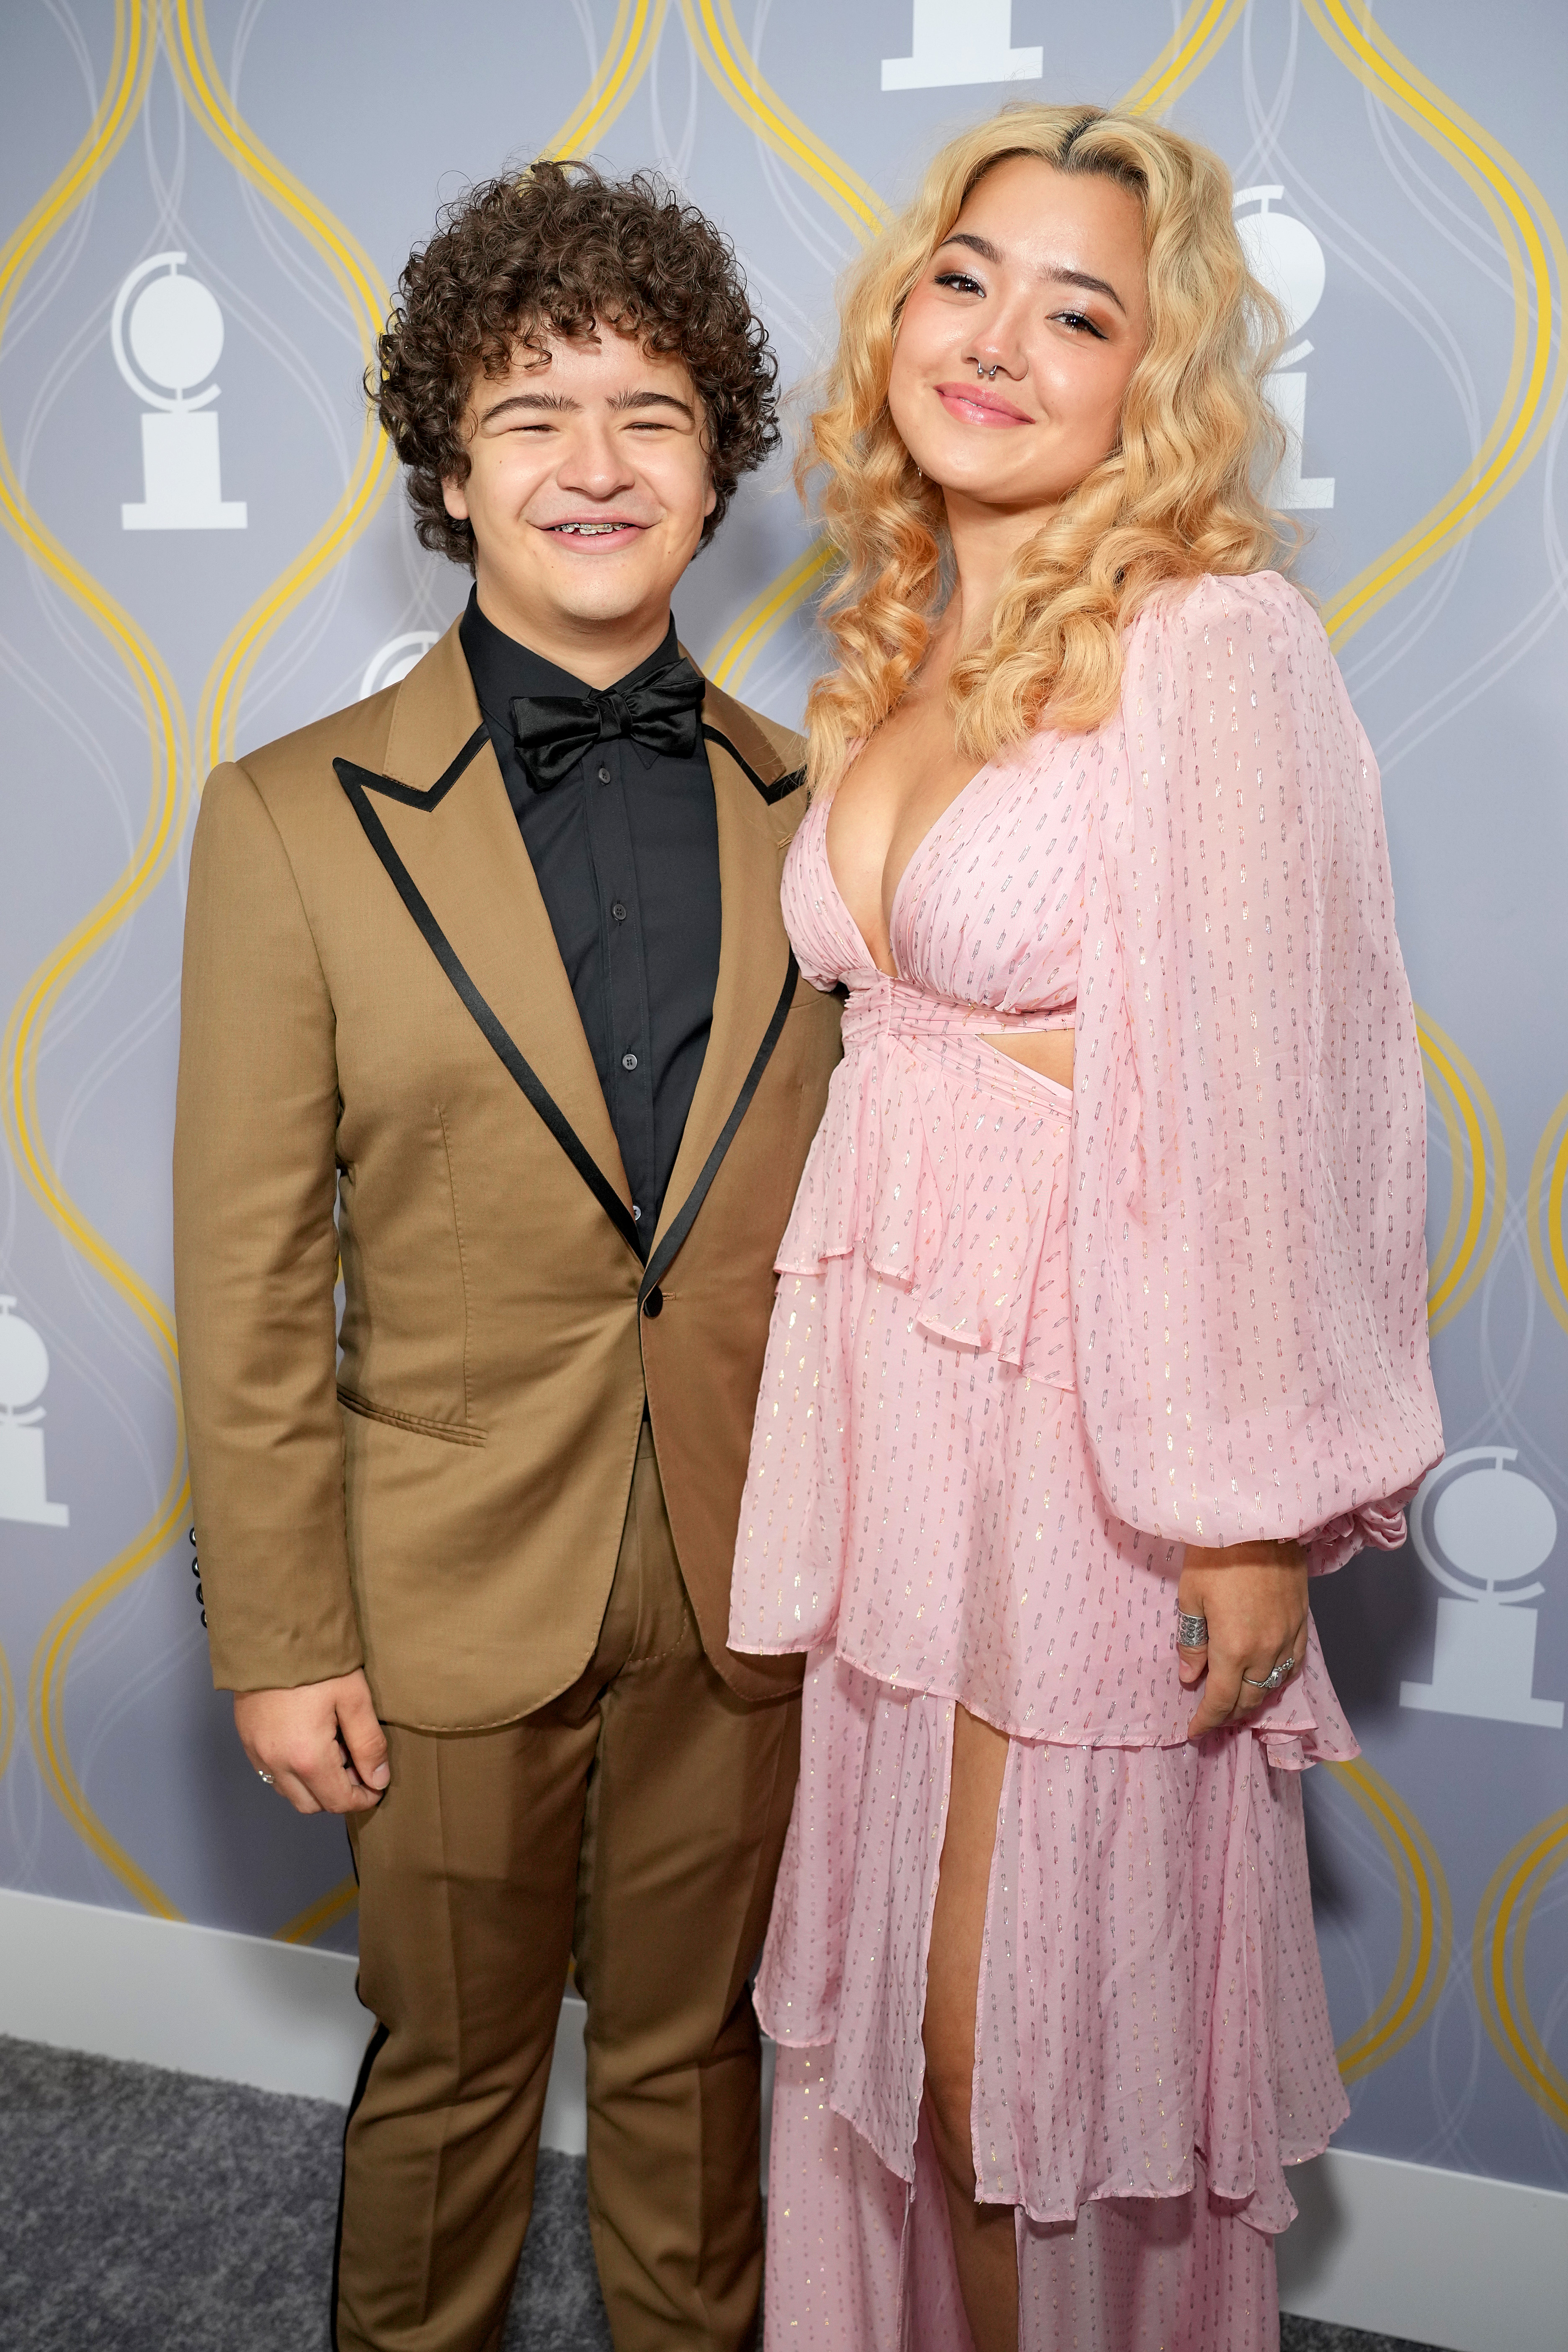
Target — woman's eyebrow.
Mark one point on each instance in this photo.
(988, 252)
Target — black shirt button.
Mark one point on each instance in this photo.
(653, 1304)
(628, 1061)
(618, 911)
(604, 775)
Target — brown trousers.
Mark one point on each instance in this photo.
(635, 1822)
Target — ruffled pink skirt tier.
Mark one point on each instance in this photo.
(1151, 2043)
(923, 1516)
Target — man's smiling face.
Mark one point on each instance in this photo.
(588, 491)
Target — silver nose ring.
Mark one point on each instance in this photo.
(989, 373)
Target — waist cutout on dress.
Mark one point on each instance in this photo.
(942, 1163)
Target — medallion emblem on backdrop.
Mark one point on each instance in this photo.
(24, 1376)
(957, 41)
(1481, 1529)
(1283, 254)
(174, 333)
(392, 662)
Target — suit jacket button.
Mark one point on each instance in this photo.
(653, 1304)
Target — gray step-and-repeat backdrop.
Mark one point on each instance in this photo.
(205, 546)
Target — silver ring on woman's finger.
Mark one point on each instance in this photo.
(1272, 1681)
(265, 1777)
(1191, 1632)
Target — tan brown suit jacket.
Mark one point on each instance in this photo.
(445, 1504)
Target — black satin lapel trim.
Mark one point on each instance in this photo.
(657, 1265)
(432, 797)
(446, 955)
(780, 791)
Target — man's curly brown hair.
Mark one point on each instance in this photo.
(553, 251)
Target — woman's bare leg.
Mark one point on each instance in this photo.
(984, 2244)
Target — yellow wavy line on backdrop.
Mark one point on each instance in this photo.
(125, 89)
(207, 99)
(1197, 41)
(729, 66)
(1544, 1205)
(1532, 243)
(634, 38)
(1502, 1930)
(743, 640)
(8, 1713)
(1478, 1192)
(318, 1916)
(1426, 1925)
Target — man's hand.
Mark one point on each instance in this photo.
(322, 1743)
(1254, 1596)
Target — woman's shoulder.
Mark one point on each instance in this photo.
(1264, 604)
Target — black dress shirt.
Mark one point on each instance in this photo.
(625, 850)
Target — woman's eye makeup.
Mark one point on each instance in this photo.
(959, 281)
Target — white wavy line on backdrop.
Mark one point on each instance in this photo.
(1480, 676)
(1461, 229)
(1440, 213)
(1553, 2015)
(296, 264)
(305, 632)
(1340, 1830)
(60, 258)
(1266, 121)
(97, 978)
(1505, 1384)
(674, 156)
(1412, 618)
(1454, 2090)
(591, 45)
(830, 248)
(159, 1665)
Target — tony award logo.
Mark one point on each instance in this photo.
(392, 662)
(1285, 256)
(1481, 1531)
(24, 1376)
(175, 334)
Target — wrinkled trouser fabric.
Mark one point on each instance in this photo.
(634, 1825)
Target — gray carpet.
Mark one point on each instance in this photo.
(144, 2212)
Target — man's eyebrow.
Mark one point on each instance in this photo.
(624, 400)
(546, 400)
(987, 252)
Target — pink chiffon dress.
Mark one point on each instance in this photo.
(1027, 1344)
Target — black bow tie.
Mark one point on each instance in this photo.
(553, 732)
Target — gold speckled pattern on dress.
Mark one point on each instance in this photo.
(1026, 1345)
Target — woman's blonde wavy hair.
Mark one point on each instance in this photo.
(1179, 496)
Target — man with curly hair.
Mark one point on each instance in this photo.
(487, 990)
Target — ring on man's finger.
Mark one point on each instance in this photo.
(265, 1777)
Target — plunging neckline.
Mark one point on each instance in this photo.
(910, 863)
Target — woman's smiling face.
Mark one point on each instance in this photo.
(1042, 280)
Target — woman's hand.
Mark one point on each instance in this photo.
(1254, 1597)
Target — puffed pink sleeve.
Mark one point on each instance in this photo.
(1249, 1179)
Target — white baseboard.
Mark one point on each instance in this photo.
(201, 2001)
(1440, 2258)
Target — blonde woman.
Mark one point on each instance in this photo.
(1101, 1317)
